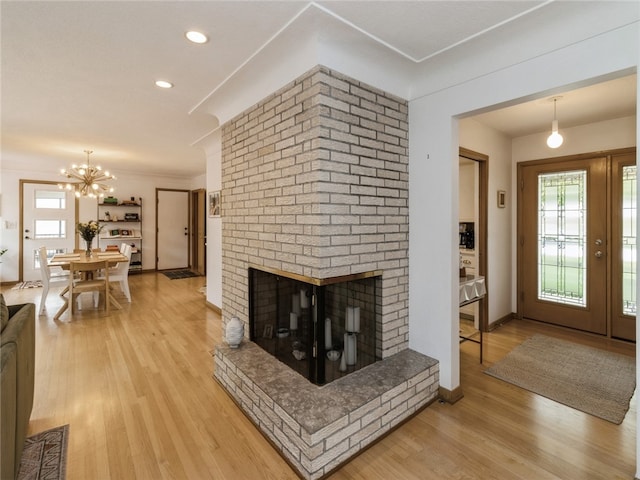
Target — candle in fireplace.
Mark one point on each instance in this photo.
(328, 343)
(295, 303)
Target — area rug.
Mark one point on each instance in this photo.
(176, 274)
(588, 379)
(27, 284)
(45, 455)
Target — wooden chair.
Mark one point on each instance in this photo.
(49, 277)
(82, 284)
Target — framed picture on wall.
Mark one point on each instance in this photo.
(501, 198)
(214, 204)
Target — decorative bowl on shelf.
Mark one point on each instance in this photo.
(282, 332)
(333, 355)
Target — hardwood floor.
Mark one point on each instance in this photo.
(136, 388)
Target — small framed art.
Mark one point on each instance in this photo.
(214, 204)
(501, 198)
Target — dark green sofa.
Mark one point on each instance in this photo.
(17, 366)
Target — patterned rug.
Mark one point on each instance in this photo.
(45, 455)
(176, 274)
(27, 284)
(588, 379)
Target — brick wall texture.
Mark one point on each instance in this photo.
(315, 182)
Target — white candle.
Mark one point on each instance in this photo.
(327, 334)
(356, 319)
(304, 300)
(295, 303)
(351, 349)
(348, 314)
(293, 321)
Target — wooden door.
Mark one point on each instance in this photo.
(198, 231)
(563, 242)
(623, 246)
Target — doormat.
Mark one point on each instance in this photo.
(27, 284)
(588, 379)
(44, 456)
(176, 274)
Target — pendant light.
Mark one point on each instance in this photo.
(555, 139)
(87, 180)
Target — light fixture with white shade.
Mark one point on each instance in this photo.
(90, 179)
(555, 139)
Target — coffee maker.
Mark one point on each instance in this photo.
(467, 235)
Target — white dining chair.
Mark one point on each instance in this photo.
(50, 275)
(120, 273)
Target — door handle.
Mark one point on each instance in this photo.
(598, 254)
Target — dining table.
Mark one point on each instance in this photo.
(64, 261)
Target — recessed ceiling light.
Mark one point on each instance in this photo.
(196, 37)
(164, 84)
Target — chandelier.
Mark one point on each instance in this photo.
(90, 179)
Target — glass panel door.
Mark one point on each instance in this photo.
(562, 233)
(629, 216)
(562, 245)
(623, 256)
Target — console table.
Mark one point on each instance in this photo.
(472, 289)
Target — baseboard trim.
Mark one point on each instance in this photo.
(502, 320)
(213, 307)
(450, 396)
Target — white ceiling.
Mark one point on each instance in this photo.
(80, 75)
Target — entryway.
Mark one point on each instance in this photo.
(577, 242)
(47, 217)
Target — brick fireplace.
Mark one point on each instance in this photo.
(315, 184)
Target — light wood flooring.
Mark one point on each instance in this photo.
(137, 390)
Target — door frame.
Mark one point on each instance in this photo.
(188, 192)
(481, 231)
(609, 154)
(23, 182)
(198, 216)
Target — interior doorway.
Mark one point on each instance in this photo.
(172, 227)
(577, 242)
(199, 231)
(481, 185)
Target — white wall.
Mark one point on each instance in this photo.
(605, 135)
(497, 146)
(213, 150)
(126, 186)
(433, 162)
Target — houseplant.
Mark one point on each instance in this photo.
(88, 231)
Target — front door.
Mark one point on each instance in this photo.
(173, 229)
(573, 257)
(48, 218)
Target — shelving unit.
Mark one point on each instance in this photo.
(122, 223)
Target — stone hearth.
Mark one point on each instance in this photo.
(317, 428)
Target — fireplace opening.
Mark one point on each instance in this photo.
(322, 328)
